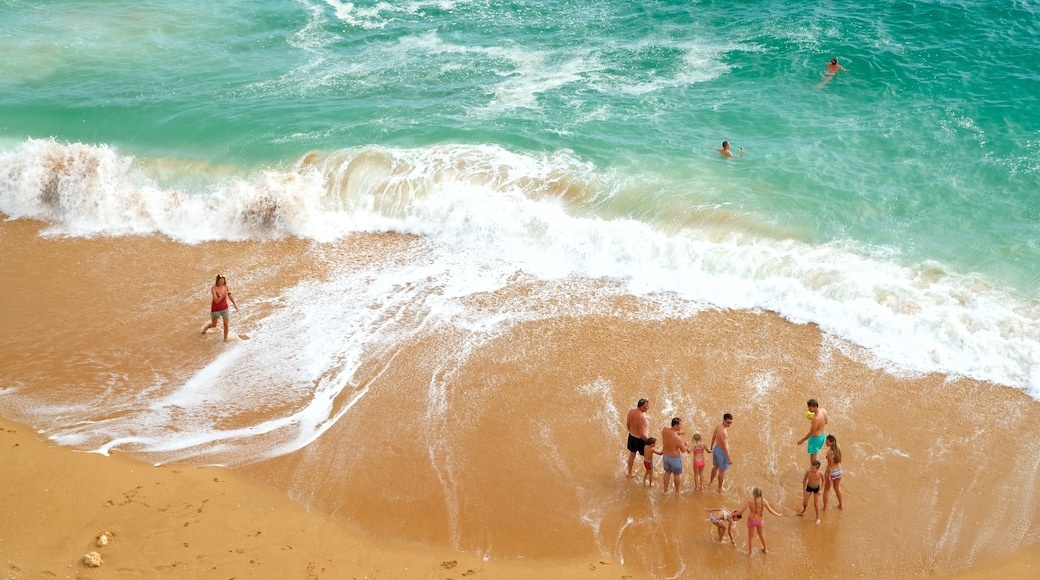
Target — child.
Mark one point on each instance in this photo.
(756, 508)
(648, 461)
(698, 462)
(833, 471)
(811, 482)
(723, 520)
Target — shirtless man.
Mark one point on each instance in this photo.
(832, 69)
(220, 293)
(725, 152)
(636, 424)
(720, 458)
(816, 435)
(672, 447)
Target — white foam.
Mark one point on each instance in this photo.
(543, 215)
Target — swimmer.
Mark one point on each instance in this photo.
(725, 152)
(832, 69)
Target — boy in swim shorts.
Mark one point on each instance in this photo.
(648, 461)
(812, 482)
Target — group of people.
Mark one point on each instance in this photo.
(673, 446)
(831, 477)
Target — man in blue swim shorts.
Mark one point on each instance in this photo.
(816, 436)
(720, 457)
(672, 448)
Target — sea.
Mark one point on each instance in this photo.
(441, 173)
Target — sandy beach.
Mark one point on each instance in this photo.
(198, 522)
(454, 457)
(206, 522)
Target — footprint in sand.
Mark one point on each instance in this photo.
(448, 565)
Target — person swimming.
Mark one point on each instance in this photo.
(833, 67)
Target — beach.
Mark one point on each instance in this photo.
(494, 482)
(463, 239)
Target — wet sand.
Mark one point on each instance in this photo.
(179, 521)
(502, 454)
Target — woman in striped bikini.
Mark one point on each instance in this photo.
(833, 475)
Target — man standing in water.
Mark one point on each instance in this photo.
(636, 424)
(725, 152)
(816, 435)
(221, 293)
(720, 458)
(672, 448)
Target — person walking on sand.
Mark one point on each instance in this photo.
(833, 475)
(636, 424)
(720, 457)
(723, 520)
(756, 508)
(815, 436)
(725, 152)
(220, 293)
(812, 482)
(672, 448)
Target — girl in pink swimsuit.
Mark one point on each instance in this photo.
(756, 508)
(698, 462)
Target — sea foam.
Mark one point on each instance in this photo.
(550, 216)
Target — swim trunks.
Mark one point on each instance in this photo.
(673, 464)
(816, 443)
(836, 474)
(220, 313)
(698, 463)
(648, 465)
(636, 444)
(812, 489)
(718, 458)
(754, 523)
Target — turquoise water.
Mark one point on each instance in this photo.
(898, 205)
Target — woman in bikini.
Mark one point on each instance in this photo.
(723, 520)
(756, 508)
(833, 474)
(698, 462)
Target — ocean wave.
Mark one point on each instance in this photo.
(551, 216)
